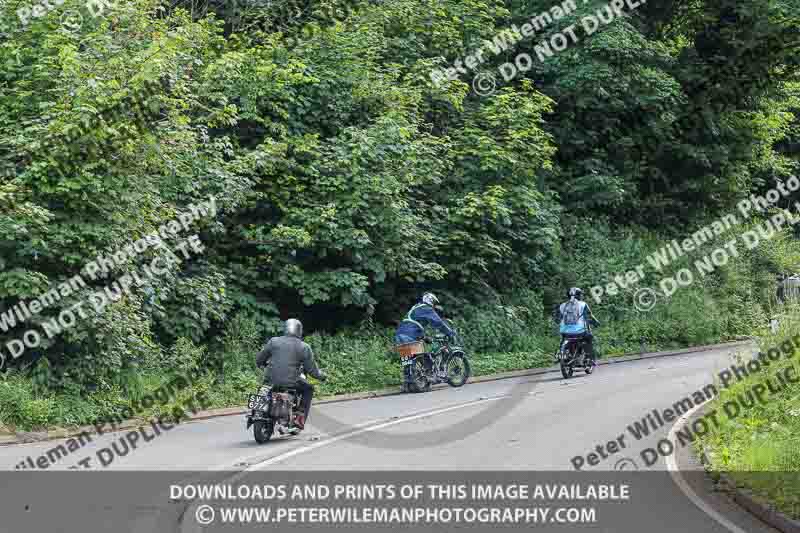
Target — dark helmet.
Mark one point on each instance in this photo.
(293, 328)
(576, 292)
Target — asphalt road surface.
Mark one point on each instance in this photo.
(538, 423)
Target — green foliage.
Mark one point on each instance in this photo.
(183, 356)
(759, 446)
(196, 304)
(17, 403)
(240, 341)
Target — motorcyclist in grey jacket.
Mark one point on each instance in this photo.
(290, 356)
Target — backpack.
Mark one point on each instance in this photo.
(572, 312)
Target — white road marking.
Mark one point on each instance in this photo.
(190, 525)
(675, 472)
(410, 418)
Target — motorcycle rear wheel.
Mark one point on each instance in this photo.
(566, 370)
(419, 377)
(262, 430)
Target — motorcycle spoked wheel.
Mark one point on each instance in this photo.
(567, 361)
(566, 370)
(459, 378)
(419, 377)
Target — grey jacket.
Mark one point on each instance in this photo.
(289, 355)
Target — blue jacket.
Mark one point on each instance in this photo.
(413, 326)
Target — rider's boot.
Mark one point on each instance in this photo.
(300, 421)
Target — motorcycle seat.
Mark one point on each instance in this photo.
(283, 389)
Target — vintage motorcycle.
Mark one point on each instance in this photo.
(447, 362)
(571, 355)
(273, 409)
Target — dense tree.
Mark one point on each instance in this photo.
(346, 179)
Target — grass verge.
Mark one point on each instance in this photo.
(757, 439)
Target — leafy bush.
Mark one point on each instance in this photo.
(241, 340)
(184, 356)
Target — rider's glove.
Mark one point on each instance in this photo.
(322, 376)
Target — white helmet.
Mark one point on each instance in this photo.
(430, 299)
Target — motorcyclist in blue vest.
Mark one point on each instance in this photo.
(412, 328)
(576, 320)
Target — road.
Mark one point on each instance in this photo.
(537, 423)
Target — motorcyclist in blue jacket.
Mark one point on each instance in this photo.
(412, 328)
(576, 320)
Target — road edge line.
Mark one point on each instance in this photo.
(683, 485)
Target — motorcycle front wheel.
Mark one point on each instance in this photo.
(458, 370)
(262, 430)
